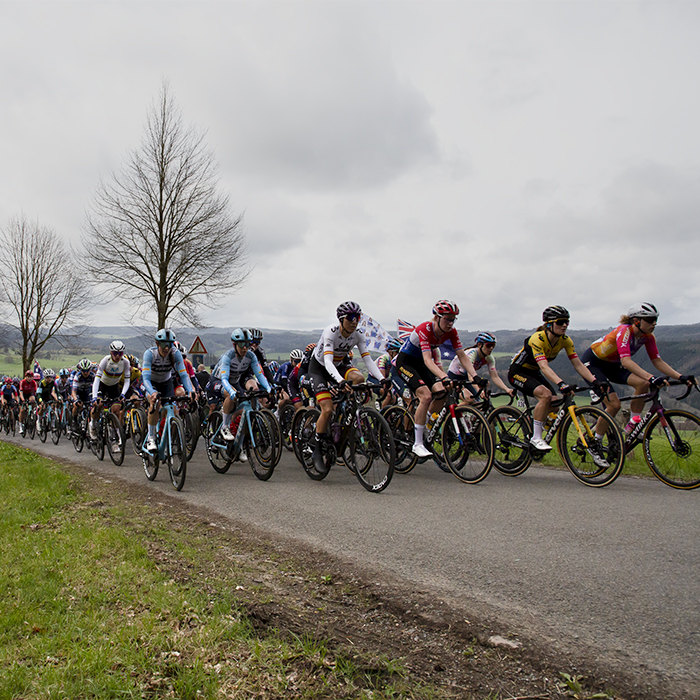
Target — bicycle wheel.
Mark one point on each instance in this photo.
(512, 432)
(260, 444)
(43, 427)
(402, 428)
(370, 450)
(12, 420)
(468, 446)
(151, 462)
(78, 433)
(275, 428)
(191, 425)
(305, 443)
(218, 454)
(286, 419)
(138, 429)
(30, 425)
(116, 442)
(176, 458)
(592, 462)
(673, 454)
(55, 427)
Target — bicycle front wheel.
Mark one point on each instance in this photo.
(286, 419)
(138, 429)
(402, 428)
(370, 450)
(673, 452)
(115, 439)
(467, 444)
(177, 457)
(43, 429)
(593, 462)
(261, 444)
(276, 430)
(217, 451)
(511, 431)
(56, 427)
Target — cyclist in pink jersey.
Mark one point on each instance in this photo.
(417, 365)
(610, 359)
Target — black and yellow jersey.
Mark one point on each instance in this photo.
(537, 348)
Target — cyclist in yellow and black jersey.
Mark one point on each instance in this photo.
(530, 371)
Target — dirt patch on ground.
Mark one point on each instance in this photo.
(292, 589)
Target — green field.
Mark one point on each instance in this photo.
(11, 364)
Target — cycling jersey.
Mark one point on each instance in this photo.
(538, 348)
(159, 370)
(45, 390)
(81, 383)
(27, 387)
(231, 368)
(622, 342)
(9, 392)
(333, 349)
(282, 374)
(63, 387)
(424, 339)
(478, 362)
(385, 363)
(109, 373)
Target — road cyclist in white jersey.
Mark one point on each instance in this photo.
(106, 384)
(237, 370)
(159, 365)
(330, 365)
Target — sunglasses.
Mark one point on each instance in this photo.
(117, 353)
(562, 322)
(490, 345)
(353, 317)
(651, 321)
(242, 343)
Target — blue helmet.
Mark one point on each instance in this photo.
(484, 337)
(240, 335)
(165, 335)
(393, 345)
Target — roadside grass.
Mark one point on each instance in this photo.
(107, 602)
(11, 363)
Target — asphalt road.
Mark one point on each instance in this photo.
(611, 572)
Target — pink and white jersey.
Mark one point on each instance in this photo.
(478, 362)
(621, 342)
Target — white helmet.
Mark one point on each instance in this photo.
(643, 310)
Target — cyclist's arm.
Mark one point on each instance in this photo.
(127, 379)
(182, 371)
(98, 376)
(496, 379)
(665, 368)
(466, 363)
(432, 366)
(257, 371)
(223, 367)
(631, 366)
(583, 370)
(146, 373)
(547, 372)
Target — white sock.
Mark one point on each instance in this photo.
(418, 431)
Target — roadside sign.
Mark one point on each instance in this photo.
(198, 347)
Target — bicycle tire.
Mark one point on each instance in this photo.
(579, 459)
(30, 425)
(176, 457)
(286, 420)
(676, 465)
(78, 433)
(98, 445)
(151, 463)
(370, 450)
(402, 428)
(277, 430)
(55, 427)
(115, 438)
(219, 457)
(468, 446)
(138, 429)
(297, 426)
(306, 443)
(12, 422)
(43, 429)
(190, 423)
(263, 453)
(512, 431)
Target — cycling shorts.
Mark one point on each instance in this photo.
(166, 389)
(527, 380)
(414, 372)
(84, 395)
(318, 380)
(605, 371)
(109, 391)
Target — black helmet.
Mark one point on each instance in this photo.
(555, 313)
(348, 308)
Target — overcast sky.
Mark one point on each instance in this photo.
(505, 155)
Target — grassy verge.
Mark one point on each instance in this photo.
(107, 601)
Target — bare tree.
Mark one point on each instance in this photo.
(38, 287)
(159, 234)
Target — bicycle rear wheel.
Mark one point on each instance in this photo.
(594, 463)
(468, 446)
(31, 423)
(370, 450)
(512, 432)
(138, 429)
(261, 444)
(98, 444)
(43, 428)
(116, 442)
(176, 458)
(78, 432)
(277, 431)
(674, 456)
(305, 443)
(191, 424)
(218, 453)
(402, 428)
(286, 419)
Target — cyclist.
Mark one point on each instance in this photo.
(160, 363)
(81, 385)
(46, 392)
(480, 355)
(256, 337)
(282, 377)
(386, 366)
(610, 359)
(530, 371)
(420, 368)
(27, 392)
(299, 388)
(330, 365)
(231, 376)
(111, 369)
(9, 394)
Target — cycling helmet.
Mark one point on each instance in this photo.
(347, 308)
(117, 346)
(310, 347)
(273, 365)
(256, 335)
(296, 355)
(393, 345)
(555, 313)
(240, 335)
(484, 337)
(643, 310)
(8, 380)
(179, 346)
(29, 373)
(49, 373)
(445, 308)
(84, 365)
(165, 335)
(133, 360)
(64, 372)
